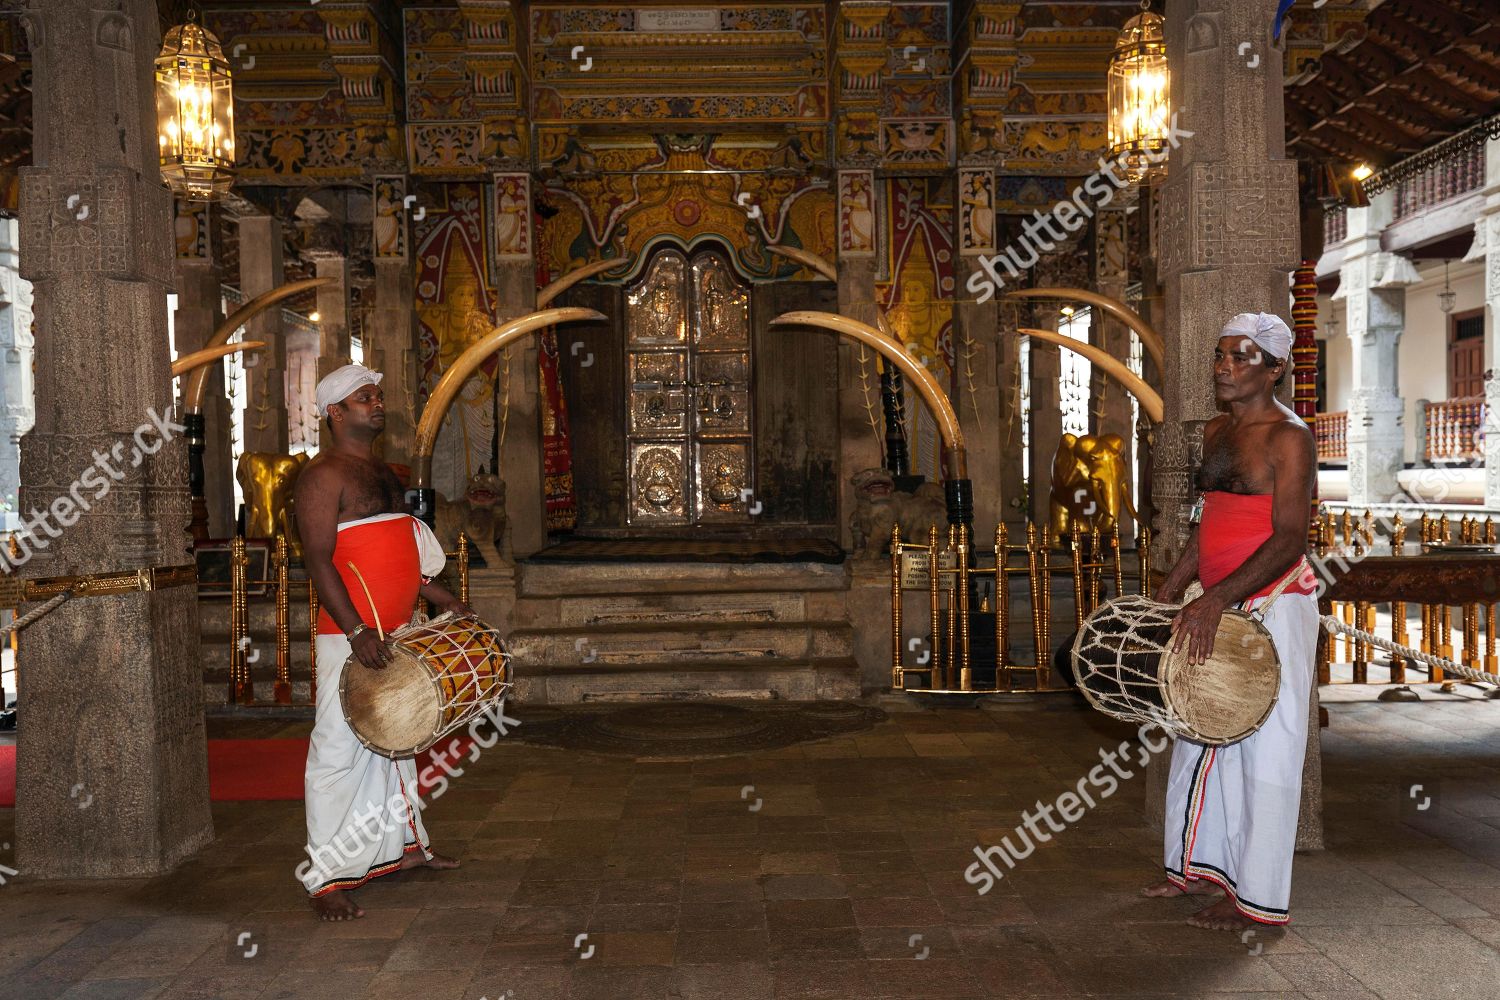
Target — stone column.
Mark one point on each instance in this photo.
(1110, 402)
(518, 418)
(1486, 245)
(199, 312)
(17, 394)
(333, 313)
(982, 414)
(1045, 414)
(1228, 240)
(1228, 222)
(1372, 284)
(265, 383)
(859, 236)
(390, 337)
(115, 680)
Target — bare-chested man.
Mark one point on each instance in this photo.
(1231, 821)
(362, 814)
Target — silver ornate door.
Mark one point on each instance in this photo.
(689, 438)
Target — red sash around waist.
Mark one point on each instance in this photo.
(1234, 525)
(386, 554)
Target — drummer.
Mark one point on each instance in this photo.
(361, 822)
(1231, 811)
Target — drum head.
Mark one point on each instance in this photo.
(394, 711)
(1226, 698)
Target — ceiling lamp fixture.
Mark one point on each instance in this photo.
(1357, 197)
(194, 113)
(1447, 296)
(1139, 89)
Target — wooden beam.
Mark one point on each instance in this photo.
(1425, 84)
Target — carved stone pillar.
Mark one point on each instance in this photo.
(17, 396)
(517, 397)
(333, 313)
(1109, 400)
(859, 382)
(984, 413)
(200, 310)
(1044, 414)
(115, 679)
(265, 383)
(1228, 225)
(1486, 246)
(1372, 284)
(391, 336)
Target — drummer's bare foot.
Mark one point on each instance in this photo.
(336, 905)
(1167, 889)
(441, 862)
(1221, 916)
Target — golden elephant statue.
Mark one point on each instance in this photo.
(1090, 484)
(267, 480)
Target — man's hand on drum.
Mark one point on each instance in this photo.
(1197, 624)
(371, 651)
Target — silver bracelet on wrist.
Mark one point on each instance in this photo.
(352, 633)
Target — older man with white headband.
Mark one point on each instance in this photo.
(363, 817)
(1231, 820)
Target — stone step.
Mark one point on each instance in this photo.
(722, 642)
(746, 607)
(792, 680)
(216, 691)
(617, 578)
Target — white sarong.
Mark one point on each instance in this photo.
(1232, 811)
(363, 810)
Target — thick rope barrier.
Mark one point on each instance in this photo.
(1332, 624)
(35, 613)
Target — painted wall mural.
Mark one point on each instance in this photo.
(918, 298)
(455, 307)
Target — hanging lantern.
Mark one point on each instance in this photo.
(1139, 88)
(1447, 297)
(194, 113)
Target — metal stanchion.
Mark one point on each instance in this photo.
(898, 677)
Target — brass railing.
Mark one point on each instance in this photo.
(1346, 538)
(1452, 428)
(1332, 433)
(942, 647)
(1440, 181)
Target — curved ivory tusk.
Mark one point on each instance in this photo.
(1149, 398)
(198, 382)
(467, 363)
(926, 385)
(807, 259)
(546, 295)
(1150, 339)
(209, 355)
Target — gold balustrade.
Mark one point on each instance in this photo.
(942, 651)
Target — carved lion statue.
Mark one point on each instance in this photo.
(481, 516)
(879, 507)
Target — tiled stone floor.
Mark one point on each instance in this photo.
(848, 874)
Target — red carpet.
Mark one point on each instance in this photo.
(250, 770)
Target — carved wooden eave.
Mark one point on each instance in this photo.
(1418, 72)
(363, 58)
